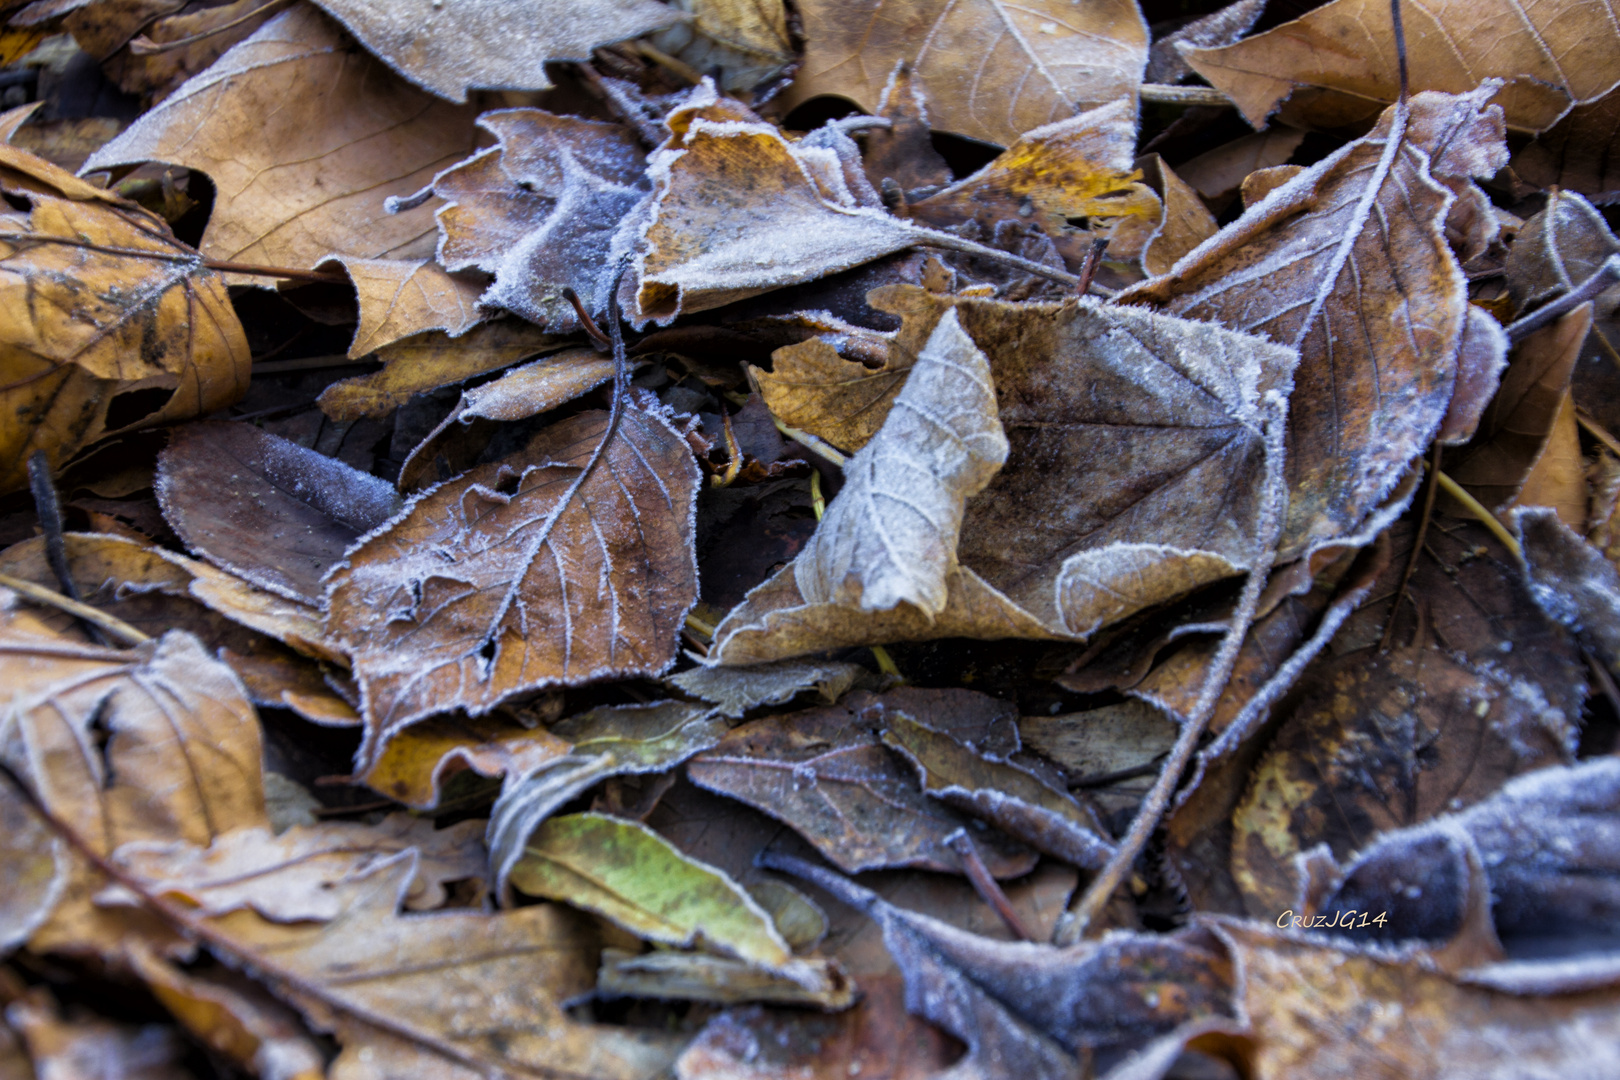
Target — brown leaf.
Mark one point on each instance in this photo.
(265, 509)
(216, 29)
(1073, 174)
(813, 388)
(1100, 741)
(1572, 581)
(1348, 262)
(1335, 66)
(113, 324)
(539, 210)
(1019, 802)
(1185, 223)
(334, 134)
(1217, 174)
(679, 976)
(1576, 153)
(1223, 27)
(904, 151)
(744, 44)
(568, 562)
(1515, 429)
(991, 70)
(415, 764)
(66, 1049)
(829, 778)
(430, 360)
(37, 868)
(1558, 477)
(1557, 249)
(400, 298)
(735, 691)
(480, 44)
(1140, 524)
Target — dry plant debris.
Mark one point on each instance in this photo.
(749, 539)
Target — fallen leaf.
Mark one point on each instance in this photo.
(886, 563)
(612, 741)
(734, 691)
(627, 873)
(66, 1049)
(334, 135)
(210, 31)
(680, 976)
(37, 867)
(1222, 27)
(1335, 66)
(1100, 741)
(112, 323)
(540, 209)
(744, 44)
(1348, 262)
(904, 152)
(830, 779)
(1574, 154)
(400, 298)
(414, 765)
(1217, 174)
(430, 360)
(1185, 223)
(991, 70)
(812, 387)
(1558, 476)
(479, 45)
(1072, 174)
(570, 561)
(1517, 426)
(1016, 800)
(1557, 249)
(1571, 581)
(265, 509)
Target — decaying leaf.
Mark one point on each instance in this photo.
(335, 134)
(992, 70)
(1106, 740)
(903, 152)
(681, 976)
(1574, 153)
(1348, 262)
(734, 691)
(1016, 800)
(811, 387)
(1222, 27)
(485, 44)
(601, 743)
(539, 210)
(1557, 249)
(832, 781)
(1336, 67)
(744, 44)
(568, 562)
(65, 1049)
(37, 866)
(265, 509)
(415, 764)
(1572, 581)
(999, 382)
(111, 323)
(1186, 221)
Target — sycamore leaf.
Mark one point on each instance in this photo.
(1575, 153)
(334, 134)
(1019, 802)
(627, 873)
(992, 70)
(1348, 262)
(734, 691)
(1160, 479)
(486, 44)
(430, 360)
(568, 562)
(266, 509)
(614, 741)
(400, 298)
(539, 210)
(1031, 1010)
(835, 784)
(1057, 176)
(111, 323)
(1336, 65)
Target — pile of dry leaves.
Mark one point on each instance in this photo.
(843, 538)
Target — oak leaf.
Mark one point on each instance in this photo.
(540, 210)
(1337, 65)
(992, 70)
(568, 562)
(335, 134)
(1348, 263)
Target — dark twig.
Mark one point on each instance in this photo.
(1147, 768)
(1088, 269)
(602, 341)
(49, 509)
(1400, 47)
(1602, 278)
(985, 884)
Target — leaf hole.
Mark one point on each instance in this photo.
(508, 483)
(135, 406)
(1081, 221)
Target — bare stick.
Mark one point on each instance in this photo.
(1602, 278)
(1169, 94)
(926, 237)
(1088, 270)
(985, 884)
(592, 331)
(49, 510)
(1083, 915)
(1430, 490)
(1400, 46)
(114, 626)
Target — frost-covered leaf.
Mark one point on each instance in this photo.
(1148, 433)
(1577, 152)
(1019, 802)
(1557, 249)
(744, 44)
(1186, 222)
(1335, 66)
(1572, 581)
(266, 509)
(400, 298)
(539, 210)
(414, 766)
(490, 44)
(1222, 27)
(736, 690)
(612, 741)
(1348, 262)
(992, 70)
(567, 562)
(824, 773)
(334, 133)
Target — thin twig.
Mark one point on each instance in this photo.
(308, 363)
(1486, 518)
(1600, 280)
(49, 511)
(1088, 269)
(985, 884)
(1083, 916)
(145, 46)
(1169, 94)
(923, 236)
(329, 277)
(112, 625)
(1400, 47)
(592, 331)
(1597, 430)
(811, 442)
(1431, 488)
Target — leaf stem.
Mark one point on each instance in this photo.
(112, 625)
(145, 46)
(1486, 518)
(926, 237)
(985, 884)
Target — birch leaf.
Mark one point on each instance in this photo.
(1348, 263)
(539, 210)
(992, 70)
(570, 561)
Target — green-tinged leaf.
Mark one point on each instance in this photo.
(678, 976)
